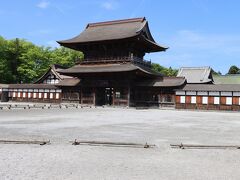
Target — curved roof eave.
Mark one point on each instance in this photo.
(108, 69)
(75, 39)
(131, 31)
(149, 71)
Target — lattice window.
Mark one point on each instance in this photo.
(228, 100)
(193, 99)
(204, 100)
(182, 99)
(51, 79)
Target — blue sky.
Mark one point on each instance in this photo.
(197, 32)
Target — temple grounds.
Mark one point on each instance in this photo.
(61, 160)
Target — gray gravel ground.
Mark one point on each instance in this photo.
(61, 160)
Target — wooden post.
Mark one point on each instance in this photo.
(161, 98)
(129, 95)
(94, 96)
(113, 97)
(81, 96)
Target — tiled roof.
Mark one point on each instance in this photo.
(3, 86)
(31, 86)
(163, 82)
(69, 82)
(106, 68)
(115, 30)
(196, 74)
(54, 69)
(226, 79)
(212, 87)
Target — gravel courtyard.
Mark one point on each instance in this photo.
(61, 160)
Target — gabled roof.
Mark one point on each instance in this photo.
(107, 68)
(196, 75)
(54, 69)
(114, 30)
(226, 79)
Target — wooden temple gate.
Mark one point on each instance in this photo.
(113, 70)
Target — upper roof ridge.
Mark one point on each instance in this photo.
(141, 19)
(199, 67)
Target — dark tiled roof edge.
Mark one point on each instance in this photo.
(116, 22)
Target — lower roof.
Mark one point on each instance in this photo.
(69, 82)
(31, 86)
(54, 70)
(3, 86)
(163, 82)
(107, 68)
(212, 87)
(226, 79)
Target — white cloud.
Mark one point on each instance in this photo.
(214, 42)
(43, 4)
(194, 48)
(109, 5)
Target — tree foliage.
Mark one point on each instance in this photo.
(23, 62)
(234, 70)
(163, 70)
(216, 72)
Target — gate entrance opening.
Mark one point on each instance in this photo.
(104, 96)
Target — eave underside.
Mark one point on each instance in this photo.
(135, 43)
(80, 70)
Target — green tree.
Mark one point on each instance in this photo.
(216, 73)
(65, 56)
(163, 70)
(23, 62)
(6, 62)
(233, 70)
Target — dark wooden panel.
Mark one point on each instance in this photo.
(177, 99)
(235, 100)
(223, 100)
(188, 99)
(210, 100)
(199, 99)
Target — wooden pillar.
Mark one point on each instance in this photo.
(113, 97)
(80, 95)
(81, 101)
(94, 96)
(161, 98)
(129, 95)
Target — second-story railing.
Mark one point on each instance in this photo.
(117, 59)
